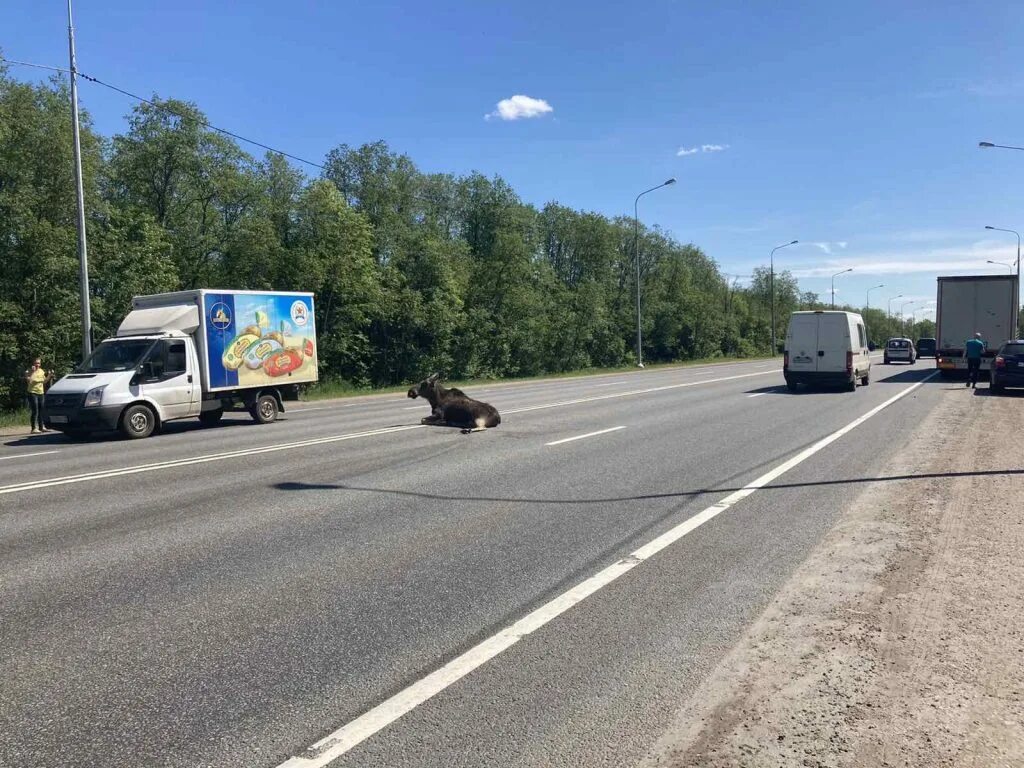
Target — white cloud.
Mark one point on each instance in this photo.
(826, 247)
(684, 151)
(842, 243)
(520, 107)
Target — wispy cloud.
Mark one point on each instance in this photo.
(828, 247)
(971, 258)
(684, 151)
(520, 107)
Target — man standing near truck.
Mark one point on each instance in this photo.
(973, 350)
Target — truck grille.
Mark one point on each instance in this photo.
(64, 401)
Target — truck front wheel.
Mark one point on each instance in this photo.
(265, 409)
(138, 422)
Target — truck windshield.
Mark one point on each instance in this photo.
(116, 355)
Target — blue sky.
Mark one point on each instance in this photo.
(853, 126)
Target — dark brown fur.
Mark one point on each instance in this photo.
(453, 407)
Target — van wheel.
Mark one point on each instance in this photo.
(865, 379)
(852, 385)
(138, 422)
(265, 410)
(885, 361)
(791, 385)
(209, 418)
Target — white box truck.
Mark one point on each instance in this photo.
(985, 304)
(191, 354)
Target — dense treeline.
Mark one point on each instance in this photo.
(413, 271)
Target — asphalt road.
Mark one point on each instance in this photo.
(230, 596)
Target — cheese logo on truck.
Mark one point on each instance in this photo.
(300, 314)
(283, 363)
(259, 352)
(234, 355)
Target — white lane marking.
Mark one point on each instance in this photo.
(757, 394)
(26, 455)
(631, 392)
(589, 434)
(339, 742)
(414, 408)
(314, 408)
(34, 485)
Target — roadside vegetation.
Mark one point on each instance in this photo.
(414, 272)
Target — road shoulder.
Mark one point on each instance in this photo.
(898, 641)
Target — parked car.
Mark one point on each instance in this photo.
(926, 347)
(826, 348)
(899, 349)
(1008, 366)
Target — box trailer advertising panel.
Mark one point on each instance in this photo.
(258, 339)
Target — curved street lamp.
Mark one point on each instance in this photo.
(889, 311)
(1001, 264)
(837, 274)
(636, 258)
(867, 300)
(771, 262)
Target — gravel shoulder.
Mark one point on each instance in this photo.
(899, 642)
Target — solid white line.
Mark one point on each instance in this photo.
(35, 485)
(363, 727)
(26, 455)
(589, 434)
(70, 479)
(757, 394)
(314, 408)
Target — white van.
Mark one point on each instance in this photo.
(827, 348)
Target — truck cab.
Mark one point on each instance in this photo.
(159, 372)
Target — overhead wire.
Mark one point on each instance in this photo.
(168, 109)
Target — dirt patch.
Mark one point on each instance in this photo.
(900, 641)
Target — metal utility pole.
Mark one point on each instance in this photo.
(636, 259)
(771, 278)
(83, 257)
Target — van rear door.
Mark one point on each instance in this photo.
(802, 343)
(833, 342)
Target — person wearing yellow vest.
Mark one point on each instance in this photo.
(35, 384)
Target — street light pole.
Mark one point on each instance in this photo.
(1001, 264)
(903, 320)
(771, 279)
(867, 300)
(83, 257)
(888, 312)
(636, 258)
(837, 274)
(1016, 303)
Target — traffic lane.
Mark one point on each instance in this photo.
(126, 622)
(557, 538)
(601, 683)
(188, 438)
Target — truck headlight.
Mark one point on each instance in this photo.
(94, 396)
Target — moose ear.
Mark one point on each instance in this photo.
(433, 377)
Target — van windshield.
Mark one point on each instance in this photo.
(116, 355)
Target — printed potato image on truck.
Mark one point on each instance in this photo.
(191, 354)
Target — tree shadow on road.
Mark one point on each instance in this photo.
(298, 486)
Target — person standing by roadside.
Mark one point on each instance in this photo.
(35, 384)
(973, 351)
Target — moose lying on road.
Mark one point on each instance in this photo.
(453, 407)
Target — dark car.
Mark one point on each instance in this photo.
(926, 347)
(1008, 366)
